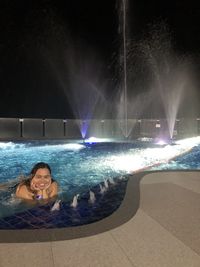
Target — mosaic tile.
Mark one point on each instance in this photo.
(41, 216)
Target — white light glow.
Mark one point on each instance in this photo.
(139, 159)
(10, 145)
(161, 142)
(145, 139)
(193, 141)
(6, 145)
(93, 139)
(73, 146)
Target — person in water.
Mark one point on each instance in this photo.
(40, 185)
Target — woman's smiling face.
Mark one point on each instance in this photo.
(42, 179)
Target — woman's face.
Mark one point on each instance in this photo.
(42, 179)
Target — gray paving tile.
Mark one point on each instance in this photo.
(187, 179)
(95, 251)
(176, 209)
(148, 244)
(25, 255)
(190, 180)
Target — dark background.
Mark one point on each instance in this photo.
(45, 43)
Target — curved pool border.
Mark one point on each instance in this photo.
(124, 213)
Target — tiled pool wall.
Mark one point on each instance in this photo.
(29, 128)
(44, 216)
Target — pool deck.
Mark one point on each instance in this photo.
(157, 225)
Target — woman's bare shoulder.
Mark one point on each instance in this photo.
(54, 185)
(21, 186)
(23, 192)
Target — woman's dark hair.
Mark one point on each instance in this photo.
(40, 165)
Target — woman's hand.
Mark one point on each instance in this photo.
(41, 188)
(40, 185)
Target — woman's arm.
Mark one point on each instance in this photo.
(22, 192)
(53, 190)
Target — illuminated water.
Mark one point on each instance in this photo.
(82, 167)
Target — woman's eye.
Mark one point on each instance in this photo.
(45, 176)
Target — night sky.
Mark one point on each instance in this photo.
(61, 59)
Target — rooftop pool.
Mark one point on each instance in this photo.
(92, 177)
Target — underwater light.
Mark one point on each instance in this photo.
(92, 140)
(161, 142)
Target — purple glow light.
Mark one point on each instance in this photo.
(161, 142)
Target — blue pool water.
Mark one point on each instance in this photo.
(79, 168)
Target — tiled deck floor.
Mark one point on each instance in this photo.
(165, 231)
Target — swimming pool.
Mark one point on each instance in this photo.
(97, 172)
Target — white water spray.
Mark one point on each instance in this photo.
(111, 181)
(92, 198)
(56, 205)
(106, 184)
(102, 189)
(74, 203)
(125, 66)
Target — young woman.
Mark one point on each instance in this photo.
(40, 185)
